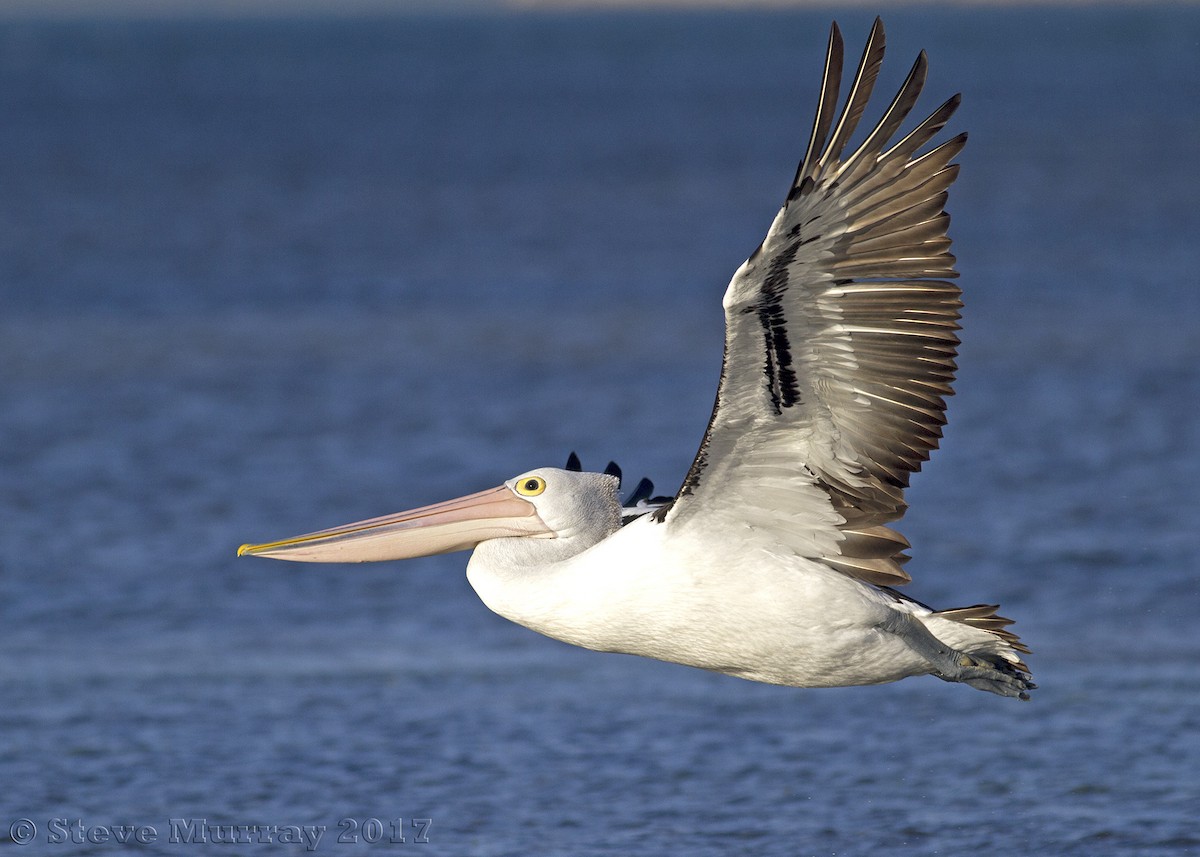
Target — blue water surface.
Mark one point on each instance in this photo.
(263, 276)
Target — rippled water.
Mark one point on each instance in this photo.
(262, 277)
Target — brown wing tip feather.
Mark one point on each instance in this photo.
(984, 617)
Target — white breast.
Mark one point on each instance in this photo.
(696, 600)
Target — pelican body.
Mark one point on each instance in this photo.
(775, 561)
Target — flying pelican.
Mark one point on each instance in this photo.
(774, 561)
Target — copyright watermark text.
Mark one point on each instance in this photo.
(202, 831)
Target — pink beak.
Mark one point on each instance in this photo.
(454, 525)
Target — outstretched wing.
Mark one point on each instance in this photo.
(840, 339)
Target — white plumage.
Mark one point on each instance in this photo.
(775, 560)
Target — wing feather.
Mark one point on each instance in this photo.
(831, 83)
(840, 338)
(860, 94)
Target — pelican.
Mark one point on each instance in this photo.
(775, 561)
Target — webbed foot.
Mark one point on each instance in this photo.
(987, 672)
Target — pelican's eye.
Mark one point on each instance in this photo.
(531, 486)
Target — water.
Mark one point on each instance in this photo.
(265, 276)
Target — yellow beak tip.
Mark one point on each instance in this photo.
(245, 549)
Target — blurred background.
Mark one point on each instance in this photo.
(266, 272)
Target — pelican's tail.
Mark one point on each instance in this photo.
(984, 637)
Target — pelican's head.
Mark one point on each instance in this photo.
(579, 509)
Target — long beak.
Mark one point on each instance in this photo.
(454, 525)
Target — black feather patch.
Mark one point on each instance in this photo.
(781, 381)
(644, 489)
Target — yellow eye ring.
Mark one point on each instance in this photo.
(531, 486)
